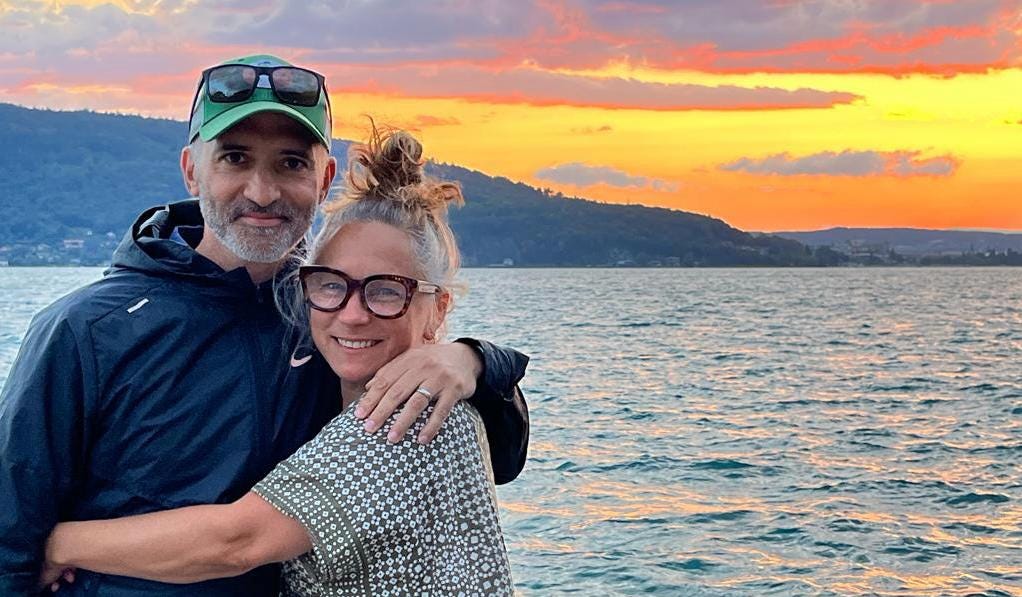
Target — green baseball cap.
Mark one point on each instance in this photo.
(211, 118)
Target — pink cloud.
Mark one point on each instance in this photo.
(581, 174)
(539, 87)
(749, 36)
(848, 163)
(493, 50)
(632, 7)
(943, 50)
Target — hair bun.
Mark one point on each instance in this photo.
(390, 167)
(404, 153)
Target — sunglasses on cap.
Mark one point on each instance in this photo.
(233, 83)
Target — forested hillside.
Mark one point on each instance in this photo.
(72, 182)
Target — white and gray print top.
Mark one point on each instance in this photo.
(402, 519)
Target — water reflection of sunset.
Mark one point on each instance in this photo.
(814, 431)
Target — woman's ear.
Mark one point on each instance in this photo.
(443, 304)
(436, 321)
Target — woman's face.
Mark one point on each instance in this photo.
(355, 342)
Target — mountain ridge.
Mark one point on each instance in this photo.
(90, 174)
(908, 241)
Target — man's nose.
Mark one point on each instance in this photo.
(262, 188)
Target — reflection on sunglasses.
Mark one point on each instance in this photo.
(236, 83)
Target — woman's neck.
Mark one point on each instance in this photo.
(350, 392)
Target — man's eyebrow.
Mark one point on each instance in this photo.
(234, 147)
(298, 153)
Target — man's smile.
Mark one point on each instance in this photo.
(261, 219)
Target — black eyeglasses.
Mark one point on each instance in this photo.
(231, 83)
(386, 296)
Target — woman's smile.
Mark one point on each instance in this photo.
(356, 344)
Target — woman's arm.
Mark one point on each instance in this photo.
(183, 545)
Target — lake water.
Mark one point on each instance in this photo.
(745, 432)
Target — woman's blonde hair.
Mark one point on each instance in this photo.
(386, 183)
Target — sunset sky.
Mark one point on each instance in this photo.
(769, 114)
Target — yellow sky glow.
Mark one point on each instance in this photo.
(974, 117)
(945, 149)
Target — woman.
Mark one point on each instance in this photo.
(350, 513)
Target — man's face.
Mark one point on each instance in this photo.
(259, 184)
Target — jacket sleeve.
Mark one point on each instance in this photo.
(41, 437)
(502, 407)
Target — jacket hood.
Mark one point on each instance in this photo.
(149, 247)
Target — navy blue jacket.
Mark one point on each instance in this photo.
(169, 383)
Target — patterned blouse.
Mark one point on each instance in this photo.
(402, 519)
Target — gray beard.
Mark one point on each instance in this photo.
(249, 243)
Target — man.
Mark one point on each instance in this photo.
(174, 380)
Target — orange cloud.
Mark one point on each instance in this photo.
(420, 122)
(592, 130)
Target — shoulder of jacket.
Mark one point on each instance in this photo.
(88, 304)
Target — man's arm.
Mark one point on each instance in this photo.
(502, 407)
(42, 428)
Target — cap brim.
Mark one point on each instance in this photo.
(225, 120)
